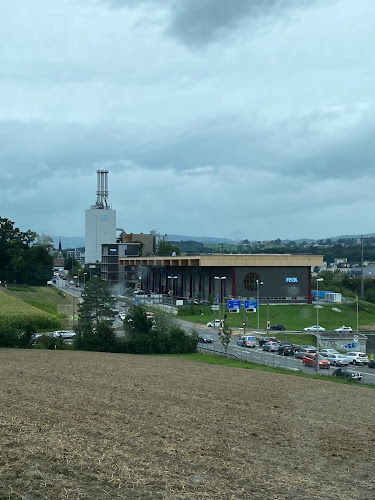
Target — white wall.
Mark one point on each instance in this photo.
(100, 227)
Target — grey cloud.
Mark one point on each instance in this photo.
(30, 151)
(199, 22)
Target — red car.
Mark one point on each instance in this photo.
(310, 360)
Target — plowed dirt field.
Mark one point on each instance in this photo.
(105, 426)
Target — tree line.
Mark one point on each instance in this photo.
(159, 334)
(25, 256)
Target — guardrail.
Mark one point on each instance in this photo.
(252, 357)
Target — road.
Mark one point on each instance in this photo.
(257, 355)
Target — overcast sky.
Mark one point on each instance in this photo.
(229, 118)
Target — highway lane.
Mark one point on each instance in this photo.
(257, 355)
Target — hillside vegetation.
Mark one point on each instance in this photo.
(16, 315)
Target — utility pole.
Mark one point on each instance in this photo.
(362, 273)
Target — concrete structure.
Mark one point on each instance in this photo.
(340, 340)
(274, 278)
(100, 222)
(127, 277)
(148, 242)
(119, 275)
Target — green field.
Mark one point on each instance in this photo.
(18, 309)
(294, 317)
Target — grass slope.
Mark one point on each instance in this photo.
(294, 317)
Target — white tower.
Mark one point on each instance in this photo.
(100, 221)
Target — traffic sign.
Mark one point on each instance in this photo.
(234, 304)
(251, 304)
(356, 337)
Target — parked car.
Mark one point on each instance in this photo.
(205, 338)
(286, 350)
(216, 322)
(344, 329)
(277, 327)
(267, 339)
(327, 352)
(371, 363)
(338, 359)
(314, 328)
(357, 358)
(122, 316)
(347, 373)
(309, 359)
(64, 334)
(270, 346)
(306, 349)
(247, 341)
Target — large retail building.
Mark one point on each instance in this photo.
(269, 277)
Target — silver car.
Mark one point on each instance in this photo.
(327, 352)
(338, 359)
(306, 349)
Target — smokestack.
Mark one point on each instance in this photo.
(102, 189)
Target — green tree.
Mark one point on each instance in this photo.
(86, 336)
(98, 304)
(157, 335)
(106, 337)
(224, 335)
(22, 258)
(70, 263)
(141, 246)
(166, 248)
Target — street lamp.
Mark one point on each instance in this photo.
(357, 313)
(140, 286)
(172, 287)
(84, 280)
(317, 324)
(221, 301)
(259, 283)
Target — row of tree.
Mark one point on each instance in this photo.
(142, 335)
(349, 248)
(25, 256)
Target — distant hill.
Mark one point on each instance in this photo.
(201, 239)
(79, 241)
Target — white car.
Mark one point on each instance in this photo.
(338, 359)
(357, 358)
(64, 334)
(122, 316)
(314, 328)
(344, 329)
(216, 322)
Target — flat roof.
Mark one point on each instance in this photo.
(225, 260)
